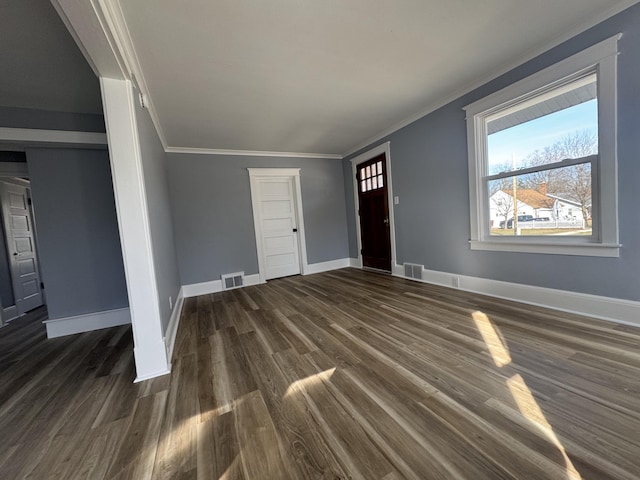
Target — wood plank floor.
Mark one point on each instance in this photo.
(341, 375)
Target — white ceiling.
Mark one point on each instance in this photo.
(324, 76)
(42, 66)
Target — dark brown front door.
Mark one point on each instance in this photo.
(374, 213)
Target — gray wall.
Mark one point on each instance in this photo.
(74, 208)
(213, 219)
(160, 221)
(430, 175)
(50, 120)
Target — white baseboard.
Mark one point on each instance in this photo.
(10, 313)
(59, 327)
(172, 328)
(355, 262)
(605, 308)
(149, 359)
(142, 378)
(214, 286)
(326, 266)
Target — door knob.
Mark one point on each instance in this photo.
(386, 221)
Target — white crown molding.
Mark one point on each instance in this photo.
(115, 26)
(251, 153)
(507, 67)
(65, 137)
(110, 20)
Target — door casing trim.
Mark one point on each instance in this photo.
(355, 161)
(254, 177)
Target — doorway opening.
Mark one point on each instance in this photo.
(374, 210)
(21, 288)
(276, 200)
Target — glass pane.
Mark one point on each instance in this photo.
(380, 182)
(549, 202)
(554, 126)
(368, 184)
(373, 170)
(375, 182)
(363, 186)
(367, 171)
(379, 167)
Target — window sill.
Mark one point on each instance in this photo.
(584, 249)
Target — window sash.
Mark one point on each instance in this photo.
(595, 214)
(569, 162)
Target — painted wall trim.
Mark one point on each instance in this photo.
(507, 67)
(159, 373)
(133, 223)
(59, 327)
(327, 266)
(214, 286)
(604, 308)
(355, 263)
(86, 27)
(252, 153)
(172, 327)
(114, 24)
(54, 137)
(9, 313)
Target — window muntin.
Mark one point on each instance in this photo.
(371, 177)
(581, 87)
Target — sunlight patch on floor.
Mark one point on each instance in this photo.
(523, 397)
(498, 350)
(530, 409)
(300, 385)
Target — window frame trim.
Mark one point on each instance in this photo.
(605, 241)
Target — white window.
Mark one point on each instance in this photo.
(542, 160)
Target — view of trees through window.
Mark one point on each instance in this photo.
(541, 159)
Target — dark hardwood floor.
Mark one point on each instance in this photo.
(345, 374)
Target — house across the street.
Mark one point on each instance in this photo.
(536, 209)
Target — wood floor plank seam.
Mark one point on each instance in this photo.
(340, 375)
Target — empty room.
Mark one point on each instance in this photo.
(319, 240)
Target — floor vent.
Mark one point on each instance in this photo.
(232, 280)
(413, 270)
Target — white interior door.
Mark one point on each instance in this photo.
(278, 224)
(21, 247)
(279, 227)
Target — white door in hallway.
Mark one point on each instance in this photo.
(21, 249)
(274, 200)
